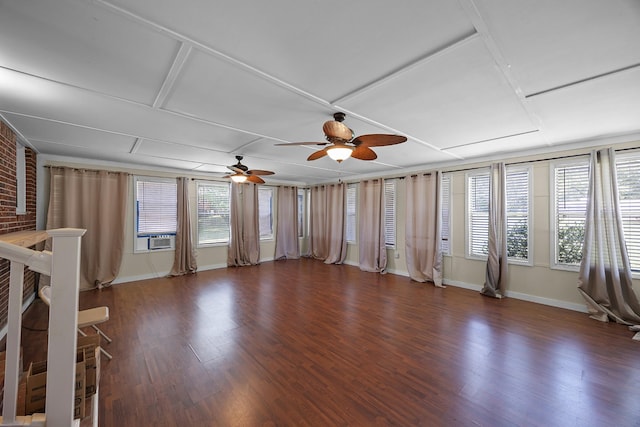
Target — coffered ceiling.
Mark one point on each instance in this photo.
(189, 85)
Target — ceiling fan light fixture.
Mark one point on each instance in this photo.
(239, 178)
(339, 152)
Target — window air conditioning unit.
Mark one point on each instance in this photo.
(161, 242)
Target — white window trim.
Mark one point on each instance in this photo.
(197, 242)
(553, 226)
(21, 180)
(135, 180)
(448, 177)
(271, 236)
(395, 212)
(467, 219)
(529, 168)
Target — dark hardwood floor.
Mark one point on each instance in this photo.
(300, 343)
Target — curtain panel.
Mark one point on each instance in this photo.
(287, 243)
(96, 201)
(244, 242)
(496, 271)
(184, 261)
(371, 234)
(327, 236)
(605, 272)
(423, 245)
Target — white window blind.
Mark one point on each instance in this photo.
(477, 214)
(570, 186)
(265, 211)
(628, 171)
(351, 212)
(213, 213)
(518, 218)
(301, 212)
(156, 206)
(390, 212)
(445, 209)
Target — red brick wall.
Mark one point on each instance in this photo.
(9, 221)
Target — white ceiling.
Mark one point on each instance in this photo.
(189, 85)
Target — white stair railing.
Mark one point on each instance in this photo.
(63, 265)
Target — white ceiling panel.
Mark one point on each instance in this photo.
(519, 144)
(457, 97)
(214, 89)
(552, 43)
(326, 48)
(46, 132)
(74, 42)
(26, 95)
(593, 108)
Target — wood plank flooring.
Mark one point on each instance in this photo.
(300, 343)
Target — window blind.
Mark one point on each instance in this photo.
(351, 213)
(265, 212)
(571, 185)
(213, 213)
(518, 202)
(478, 214)
(390, 212)
(445, 209)
(628, 171)
(157, 206)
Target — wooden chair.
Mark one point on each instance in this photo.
(90, 317)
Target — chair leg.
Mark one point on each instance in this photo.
(101, 333)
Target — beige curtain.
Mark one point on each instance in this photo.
(422, 228)
(327, 235)
(605, 273)
(496, 273)
(318, 222)
(244, 242)
(185, 259)
(287, 243)
(371, 237)
(95, 201)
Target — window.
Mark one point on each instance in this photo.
(570, 185)
(518, 217)
(156, 206)
(301, 212)
(265, 212)
(21, 180)
(518, 206)
(390, 212)
(351, 212)
(628, 171)
(477, 214)
(213, 213)
(445, 209)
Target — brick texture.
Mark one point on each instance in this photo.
(9, 221)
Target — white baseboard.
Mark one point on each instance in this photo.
(25, 305)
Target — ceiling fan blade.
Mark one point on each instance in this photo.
(227, 176)
(259, 172)
(318, 154)
(304, 143)
(378, 140)
(255, 179)
(362, 152)
(235, 169)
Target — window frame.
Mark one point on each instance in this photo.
(21, 179)
(262, 190)
(632, 243)
(553, 223)
(138, 236)
(390, 211)
(445, 208)
(214, 242)
(486, 172)
(351, 218)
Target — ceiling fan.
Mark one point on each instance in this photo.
(342, 142)
(243, 173)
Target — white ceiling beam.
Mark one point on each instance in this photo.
(173, 74)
